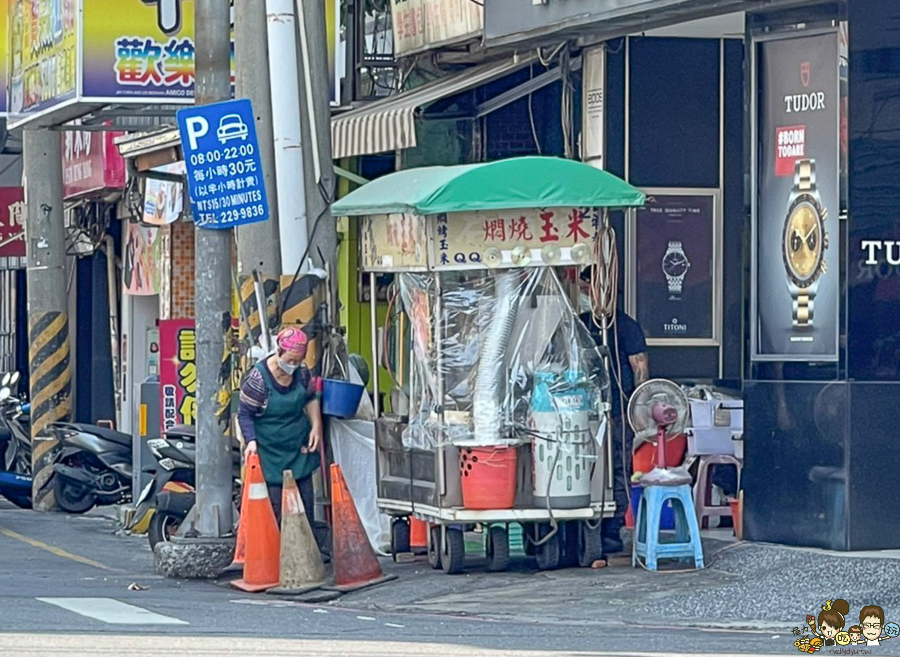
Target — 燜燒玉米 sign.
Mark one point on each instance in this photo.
(224, 170)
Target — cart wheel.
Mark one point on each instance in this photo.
(529, 534)
(498, 549)
(399, 536)
(548, 552)
(453, 551)
(569, 551)
(590, 544)
(434, 548)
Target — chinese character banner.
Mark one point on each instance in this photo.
(42, 58)
(12, 222)
(178, 372)
(135, 49)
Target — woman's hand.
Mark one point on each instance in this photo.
(251, 448)
(315, 439)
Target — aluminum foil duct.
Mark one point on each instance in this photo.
(490, 378)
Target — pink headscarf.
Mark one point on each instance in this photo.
(292, 339)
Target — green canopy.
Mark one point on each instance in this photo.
(517, 183)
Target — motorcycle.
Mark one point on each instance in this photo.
(15, 444)
(171, 494)
(93, 466)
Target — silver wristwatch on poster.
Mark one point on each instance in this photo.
(675, 265)
(804, 242)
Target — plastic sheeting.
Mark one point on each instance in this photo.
(523, 324)
(353, 445)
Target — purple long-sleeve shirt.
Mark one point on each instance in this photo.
(255, 396)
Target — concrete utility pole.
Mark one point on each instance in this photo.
(48, 317)
(258, 242)
(212, 293)
(292, 220)
(319, 173)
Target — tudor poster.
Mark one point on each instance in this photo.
(795, 287)
(675, 244)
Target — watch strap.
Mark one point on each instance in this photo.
(804, 304)
(805, 176)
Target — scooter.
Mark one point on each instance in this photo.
(174, 474)
(15, 444)
(92, 466)
(171, 494)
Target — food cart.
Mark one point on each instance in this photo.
(501, 411)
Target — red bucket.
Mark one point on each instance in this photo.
(488, 477)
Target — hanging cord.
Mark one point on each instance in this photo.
(604, 298)
(565, 103)
(537, 143)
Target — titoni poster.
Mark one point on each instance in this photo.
(796, 287)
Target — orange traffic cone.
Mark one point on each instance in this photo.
(355, 564)
(240, 548)
(261, 559)
(302, 569)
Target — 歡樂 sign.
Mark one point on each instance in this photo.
(177, 372)
(224, 170)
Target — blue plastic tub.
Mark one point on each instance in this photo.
(341, 398)
(667, 518)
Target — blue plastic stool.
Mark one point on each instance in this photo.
(646, 530)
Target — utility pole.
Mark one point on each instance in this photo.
(258, 242)
(319, 174)
(212, 293)
(48, 317)
(292, 218)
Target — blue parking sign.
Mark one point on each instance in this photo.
(224, 170)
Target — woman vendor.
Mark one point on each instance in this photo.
(281, 418)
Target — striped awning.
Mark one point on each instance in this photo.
(389, 124)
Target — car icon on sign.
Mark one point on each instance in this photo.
(231, 127)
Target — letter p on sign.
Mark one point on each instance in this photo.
(197, 127)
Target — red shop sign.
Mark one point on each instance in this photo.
(12, 222)
(177, 372)
(91, 163)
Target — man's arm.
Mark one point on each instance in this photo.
(640, 365)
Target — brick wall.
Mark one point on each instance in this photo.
(181, 286)
(509, 131)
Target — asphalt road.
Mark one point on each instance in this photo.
(65, 590)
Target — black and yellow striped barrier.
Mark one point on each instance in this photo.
(51, 396)
(303, 304)
(250, 310)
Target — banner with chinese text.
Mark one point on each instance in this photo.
(513, 238)
(43, 54)
(422, 24)
(91, 163)
(12, 222)
(177, 372)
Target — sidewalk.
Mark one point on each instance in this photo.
(745, 586)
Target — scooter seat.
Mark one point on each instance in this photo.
(107, 434)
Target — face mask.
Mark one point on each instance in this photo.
(584, 303)
(287, 368)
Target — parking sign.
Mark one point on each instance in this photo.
(224, 170)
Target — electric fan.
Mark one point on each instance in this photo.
(658, 411)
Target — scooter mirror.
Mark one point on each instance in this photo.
(6, 379)
(14, 379)
(4, 394)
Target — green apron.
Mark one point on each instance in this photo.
(281, 430)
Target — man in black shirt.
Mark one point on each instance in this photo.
(628, 363)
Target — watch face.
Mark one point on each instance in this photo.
(675, 265)
(804, 242)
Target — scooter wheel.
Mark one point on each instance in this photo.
(162, 527)
(72, 498)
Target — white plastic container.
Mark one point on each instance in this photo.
(717, 440)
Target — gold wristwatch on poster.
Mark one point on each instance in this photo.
(804, 242)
